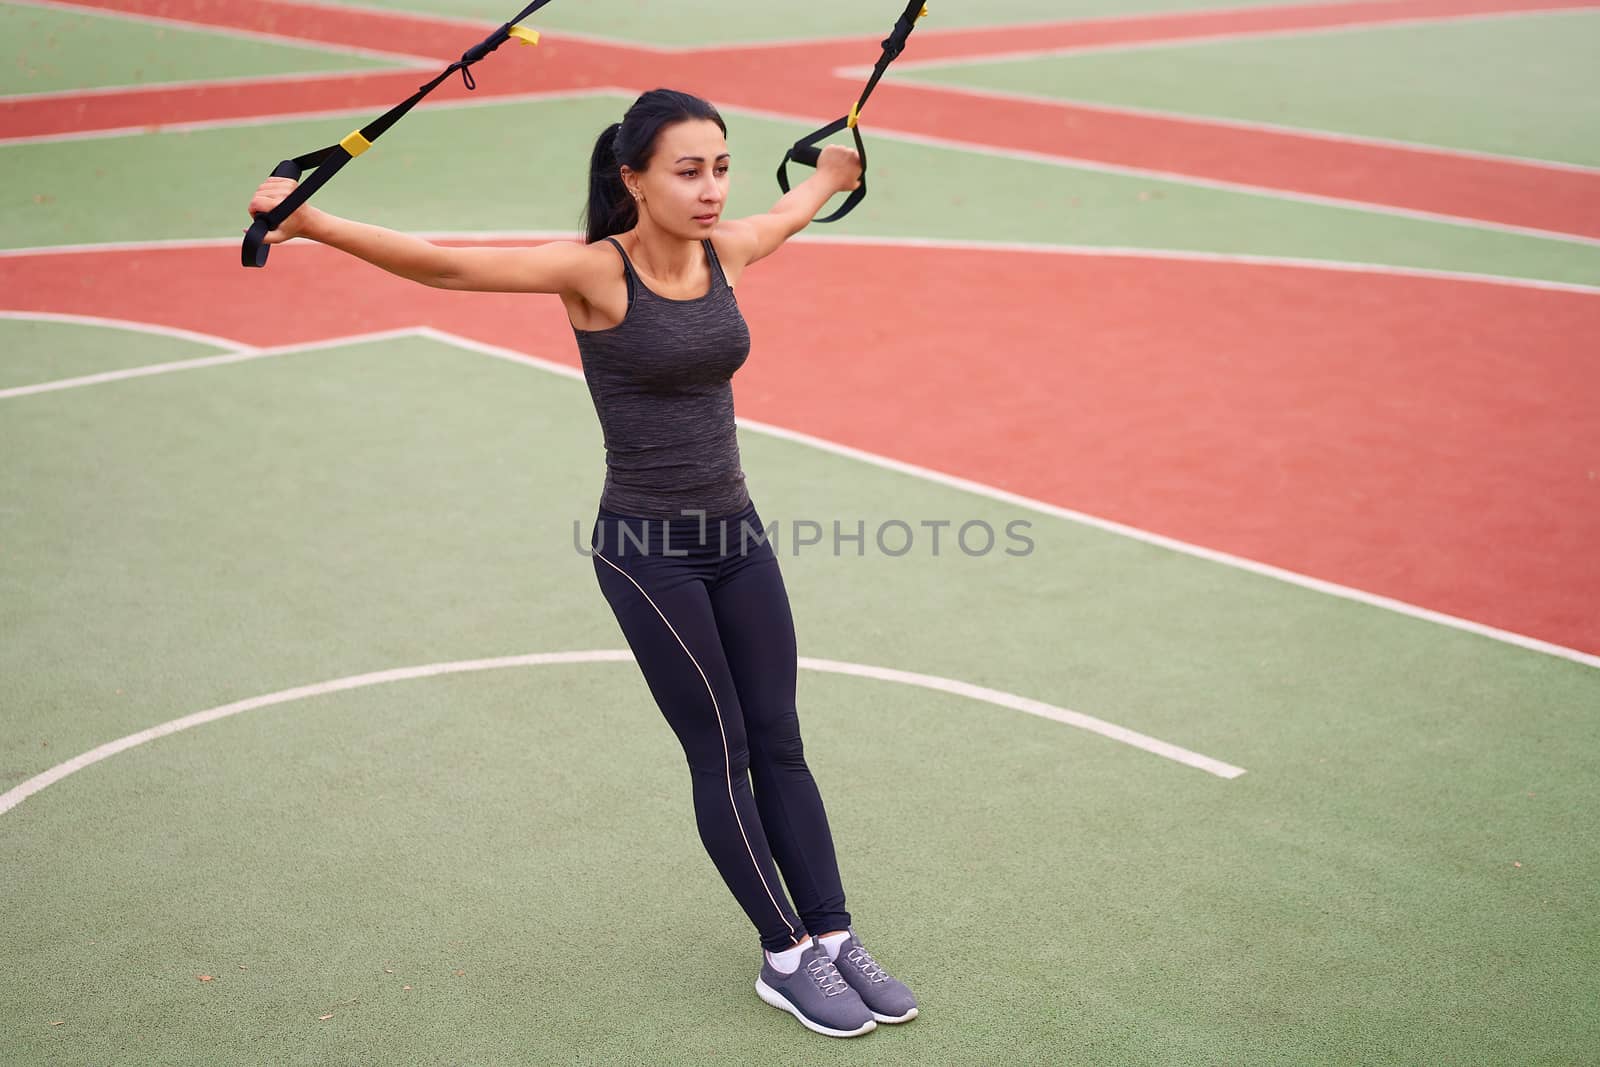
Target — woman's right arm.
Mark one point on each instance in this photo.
(556, 267)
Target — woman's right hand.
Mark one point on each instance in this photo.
(269, 195)
(841, 165)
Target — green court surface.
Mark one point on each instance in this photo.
(695, 23)
(1520, 86)
(49, 50)
(1411, 804)
(520, 166)
(39, 351)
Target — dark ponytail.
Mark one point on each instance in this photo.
(630, 143)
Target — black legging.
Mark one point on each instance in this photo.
(709, 623)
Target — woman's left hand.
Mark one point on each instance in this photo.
(841, 165)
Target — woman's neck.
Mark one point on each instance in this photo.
(663, 256)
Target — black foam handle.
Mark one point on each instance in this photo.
(254, 251)
(487, 45)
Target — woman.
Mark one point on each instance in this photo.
(680, 552)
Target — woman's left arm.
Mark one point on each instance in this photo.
(758, 236)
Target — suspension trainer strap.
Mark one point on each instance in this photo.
(326, 162)
(807, 152)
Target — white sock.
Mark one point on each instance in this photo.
(786, 961)
(832, 942)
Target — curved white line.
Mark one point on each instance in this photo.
(227, 344)
(1031, 707)
(1343, 266)
(17, 794)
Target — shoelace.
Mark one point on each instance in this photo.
(827, 976)
(870, 969)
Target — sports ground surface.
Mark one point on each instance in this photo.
(1275, 324)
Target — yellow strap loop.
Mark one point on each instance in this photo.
(355, 144)
(923, 13)
(523, 34)
(855, 112)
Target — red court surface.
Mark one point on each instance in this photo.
(1432, 440)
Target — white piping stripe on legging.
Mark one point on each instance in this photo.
(727, 757)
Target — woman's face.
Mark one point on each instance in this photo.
(685, 184)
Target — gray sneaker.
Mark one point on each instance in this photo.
(816, 994)
(884, 995)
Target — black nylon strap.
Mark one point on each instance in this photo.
(893, 45)
(326, 162)
(805, 151)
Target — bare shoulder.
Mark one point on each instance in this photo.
(755, 237)
(552, 267)
(735, 242)
(586, 263)
(587, 268)
(596, 295)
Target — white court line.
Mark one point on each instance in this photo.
(129, 324)
(206, 83)
(1068, 162)
(551, 32)
(1342, 266)
(468, 26)
(145, 245)
(1031, 707)
(992, 151)
(288, 117)
(17, 794)
(926, 29)
(1197, 40)
(1177, 178)
(1252, 125)
(1226, 559)
(406, 59)
(1182, 255)
(556, 33)
(241, 355)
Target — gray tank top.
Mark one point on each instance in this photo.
(661, 380)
